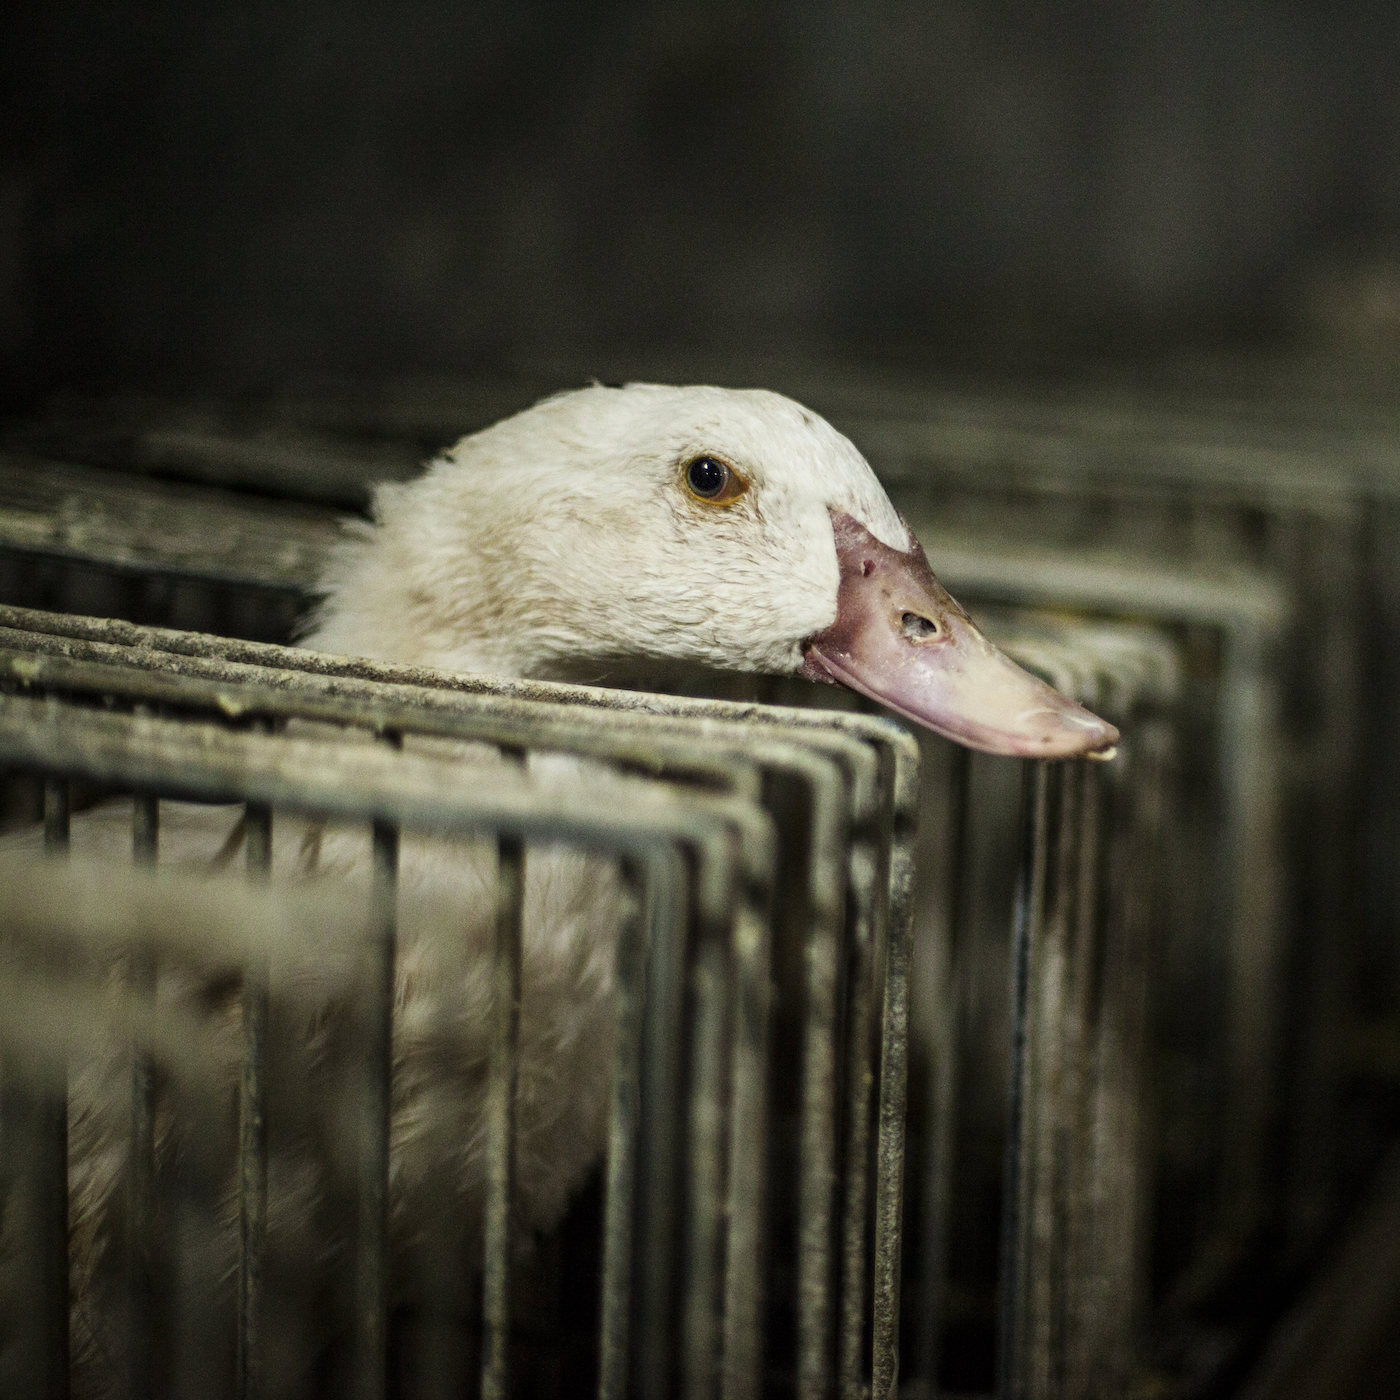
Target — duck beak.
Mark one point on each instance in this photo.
(900, 638)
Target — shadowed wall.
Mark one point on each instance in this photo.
(230, 193)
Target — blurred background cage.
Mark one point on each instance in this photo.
(1109, 298)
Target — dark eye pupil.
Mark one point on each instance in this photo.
(706, 476)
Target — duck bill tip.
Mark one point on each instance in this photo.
(992, 705)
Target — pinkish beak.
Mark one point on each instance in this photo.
(900, 638)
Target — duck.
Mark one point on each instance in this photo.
(620, 532)
(626, 534)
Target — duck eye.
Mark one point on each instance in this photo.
(713, 480)
(706, 477)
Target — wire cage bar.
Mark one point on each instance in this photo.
(818, 761)
(70, 657)
(1110, 966)
(1218, 939)
(1035, 1056)
(1204, 472)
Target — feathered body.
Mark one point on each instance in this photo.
(441, 1053)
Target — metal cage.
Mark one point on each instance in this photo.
(1125, 1094)
(842, 871)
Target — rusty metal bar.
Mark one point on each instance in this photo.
(252, 1132)
(889, 1175)
(817, 1162)
(821, 868)
(1132, 840)
(53, 1234)
(1254, 800)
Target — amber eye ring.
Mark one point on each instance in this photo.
(713, 481)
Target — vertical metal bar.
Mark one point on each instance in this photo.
(1086, 1315)
(1053, 1059)
(252, 1132)
(818, 1143)
(56, 815)
(662, 1068)
(706, 1133)
(1327, 554)
(145, 829)
(52, 1164)
(1130, 859)
(145, 837)
(894, 1089)
(1259, 923)
(855, 1277)
(620, 1183)
(942, 1116)
(500, 1115)
(371, 1272)
(1014, 1262)
(748, 1145)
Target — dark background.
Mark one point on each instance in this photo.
(234, 195)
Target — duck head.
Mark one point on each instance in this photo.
(612, 531)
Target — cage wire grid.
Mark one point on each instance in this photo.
(729, 842)
(49, 672)
(80, 664)
(1241, 740)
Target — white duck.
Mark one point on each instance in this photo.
(610, 532)
(622, 531)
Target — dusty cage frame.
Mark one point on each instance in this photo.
(1243, 617)
(837, 759)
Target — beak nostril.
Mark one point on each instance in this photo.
(867, 567)
(918, 628)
